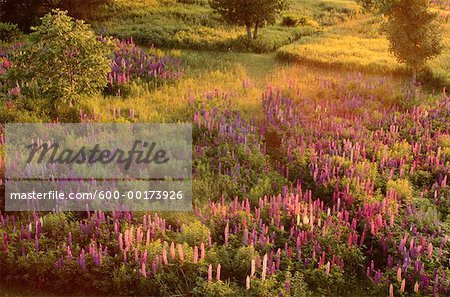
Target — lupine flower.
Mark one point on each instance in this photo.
(195, 260)
(209, 273)
(180, 252)
(264, 267)
(219, 267)
(172, 250)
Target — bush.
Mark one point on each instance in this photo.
(64, 60)
(9, 32)
(294, 20)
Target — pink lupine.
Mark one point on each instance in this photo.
(195, 260)
(399, 274)
(172, 250)
(209, 273)
(227, 233)
(164, 256)
(402, 286)
(219, 267)
(143, 271)
(180, 252)
(247, 282)
(416, 287)
(120, 242)
(264, 267)
(202, 251)
(252, 268)
(69, 252)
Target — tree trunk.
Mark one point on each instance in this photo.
(255, 32)
(249, 32)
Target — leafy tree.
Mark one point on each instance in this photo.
(411, 29)
(64, 59)
(249, 13)
(413, 33)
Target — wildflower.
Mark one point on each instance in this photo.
(164, 256)
(252, 269)
(172, 251)
(202, 251)
(210, 273)
(195, 255)
(143, 271)
(180, 252)
(264, 267)
(218, 272)
(416, 287)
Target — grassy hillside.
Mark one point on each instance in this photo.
(358, 45)
(191, 24)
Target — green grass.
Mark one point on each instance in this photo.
(357, 45)
(171, 24)
(345, 47)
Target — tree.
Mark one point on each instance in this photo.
(65, 59)
(413, 33)
(249, 13)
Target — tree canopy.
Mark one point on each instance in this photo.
(412, 30)
(249, 13)
(64, 60)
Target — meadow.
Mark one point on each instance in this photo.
(320, 167)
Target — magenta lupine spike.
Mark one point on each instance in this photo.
(172, 250)
(226, 233)
(164, 256)
(209, 273)
(202, 251)
(195, 258)
(180, 252)
(219, 267)
(120, 242)
(143, 270)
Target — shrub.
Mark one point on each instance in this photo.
(294, 20)
(64, 60)
(9, 32)
(402, 187)
(194, 233)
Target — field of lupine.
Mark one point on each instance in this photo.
(306, 183)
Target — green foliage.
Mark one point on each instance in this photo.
(294, 20)
(411, 28)
(63, 61)
(253, 13)
(413, 33)
(223, 289)
(402, 187)
(9, 32)
(298, 286)
(194, 233)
